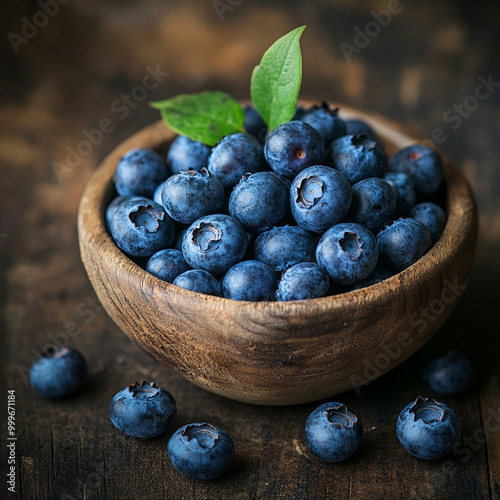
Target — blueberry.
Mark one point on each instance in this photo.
(319, 198)
(139, 172)
(234, 156)
(142, 410)
(214, 243)
(167, 264)
(254, 124)
(112, 207)
(284, 246)
(259, 201)
(198, 280)
(379, 274)
(292, 147)
(422, 164)
(157, 194)
(186, 154)
(356, 127)
(448, 375)
(140, 227)
(428, 429)
(189, 195)
(402, 243)
(249, 280)
(326, 121)
(201, 450)
(348, 252)
(357, 157)
(432, 216)
(373, 203)
(303, 281)
(333, 432)
(59, 372)
(405, 192)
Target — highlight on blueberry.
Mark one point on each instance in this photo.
(448, 374)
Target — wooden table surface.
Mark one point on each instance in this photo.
(87, 62)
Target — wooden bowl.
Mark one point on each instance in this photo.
(279, 353)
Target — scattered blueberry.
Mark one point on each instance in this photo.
(198, 280)
(186, 154)
(405, 192)
(428, 429)
(333, 432)
(326, 121)
(201, 450)
(167, 264)
(142, 410)
(59, 372)
(303, 281)
(249, 280)
(448, 375)
(432, 216)
(254, 124)
(357, 127)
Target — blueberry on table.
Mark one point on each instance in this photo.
(326, 121)
(139, 172)
(259, 201)
(319, 198)
(428, 429)
(402, 243)
(373, 203)
(449, 374)
(198, 280)
(348, 252)
(405, 192)
(142, 410)
(292, 147)
(186, 154)
(59, 372)
(357, 157)
(303, 281)
(422, 164)
(234, 156)
(201, 450)
(432, 216)
(140, 227)
(189, 195)
(356, 127)
(254, 124)
(249, 280)
(284, 246)
(167, 264)
(214, 243)
(333, 432)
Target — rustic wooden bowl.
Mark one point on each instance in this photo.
(277, 353)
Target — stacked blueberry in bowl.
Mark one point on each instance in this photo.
(315, 209)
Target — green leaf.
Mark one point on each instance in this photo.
(205, 117)
(276, 81)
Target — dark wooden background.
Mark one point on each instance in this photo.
(69, 75)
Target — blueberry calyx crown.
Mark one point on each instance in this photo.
(309, 192)
(427, 410)
(206, 435)
(55, 352)
(144, 390)
(341, 416)
(393, 223)
(206, 236)
(327, 108)
(362, 141)
(351, 245)
(203, 172)
(146, 217)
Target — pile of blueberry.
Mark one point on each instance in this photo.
(311, 209)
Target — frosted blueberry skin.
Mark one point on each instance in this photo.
(449, 374)
(422, 164)
(214, 243)
(326, 121)
(254, 124)
(319, 198)
(259, 201)
(58, 372)
(432, 216)
(348, 252)
(250, 280)
(186, 154)
(405, 192)
(113, 205)
(140, 227)
(201, 450)
(333, 432)
(142, 410)
(356, 127)
(189, 195)
(357, 157)
(292, 147)
(428, 429)
(167, 264)
(157, 194)
(198, 280)
(234, 156)
(402, 243)
(284, 246)
(303, 281)
(373, 203)
(139, 172)
(379, 274)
